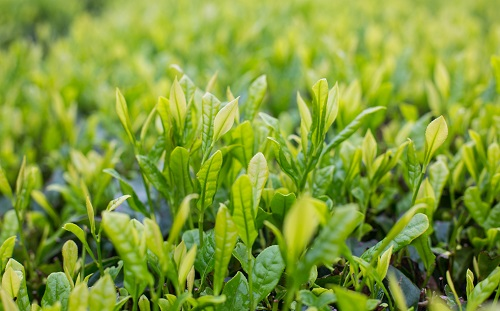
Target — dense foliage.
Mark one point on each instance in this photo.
(243, 155)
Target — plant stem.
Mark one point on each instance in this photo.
(417, 188)
(200, 227)
(250, 281)
(99, 254)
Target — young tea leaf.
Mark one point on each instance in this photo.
(435, 135)
(226, 234)
(57, 291)
(243, 209)
(266, 272)
(224, 119)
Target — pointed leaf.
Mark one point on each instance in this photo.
(102, 295)
(224, 119)
(58, 290)
(266, 272)
(236, 291)
(243, 211)
(435, 135)
(208, 177)
(225, 239)
(258, 172)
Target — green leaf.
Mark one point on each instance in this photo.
(11, 282)
(332, 107)
(477, 208)
(224, 119)
(79, 298)
(493, 220)
(70, 257)
(124, 237)
(296, 235)
(208, 177)
(113, 204)
(6, 250)
(209, 108)
(144, 304)
(179, 168)
(410, 291)
(79, 233)
(258, 172)
(401, 234)
(7, 302)
(369, 149)
(126, 188)
(205, 259)
(23, 300)
(236, 291)
(438, 177)
(442, 79)
(122, 111)
(57, 290)
(154, 241)
(351, 128)
(186, 265)
(423, 246)
(328, 244)
(180, 218)
(90, 214)
(243, 210)
(154, 175)
(226, 234)
(483, 290)
(102, 295)
(280, 204)
(320, 302)
(397, 293)
(470, 282)
(266, 272)
(348, 300)
(243, 138)
(240, 252)
(256, 94)
(178, 105)
(4, 184)
(435, 135)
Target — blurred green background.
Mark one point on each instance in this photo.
(60, 61)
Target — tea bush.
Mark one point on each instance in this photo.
(244, 155)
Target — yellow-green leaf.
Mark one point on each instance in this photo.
(435, 135)
(224, 119)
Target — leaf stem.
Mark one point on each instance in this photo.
(250, 280)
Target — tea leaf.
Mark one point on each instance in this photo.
(154, 175)
(79, 233)
(11, 282)
(236, 291)
(102, 295)
(258, 172)
(243, 209)
(351, 128)
(208, 177)
(435, 135)
(476, 207)
(327, 246)
(122, 111)
(226, 234)
(256, 94)
(209, 108)
(266, 272)
(57, 291)
(70, 257)
(117, 227)
(79, 298)
(349, 300)
(178, 105)
(224, 119)
(179, 168)
(295, 234)
(483, 290)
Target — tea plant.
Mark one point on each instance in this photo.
(267, 188)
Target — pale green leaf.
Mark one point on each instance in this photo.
(224, 119)
(226, 235)
(243, 209)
